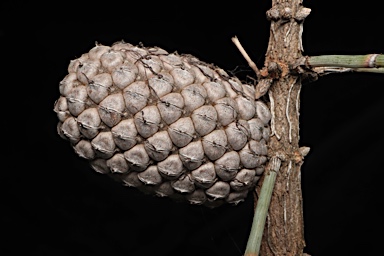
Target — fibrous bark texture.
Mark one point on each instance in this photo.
(283, 234)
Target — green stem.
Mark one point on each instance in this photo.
(261, 211)
(348, 61)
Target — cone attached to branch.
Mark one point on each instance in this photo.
(168, 124)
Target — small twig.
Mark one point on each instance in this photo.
(236, 41)
(259, 218)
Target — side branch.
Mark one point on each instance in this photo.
(347, 61)
(254, 240)
(325, 64)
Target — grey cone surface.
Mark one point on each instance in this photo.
(165, 123)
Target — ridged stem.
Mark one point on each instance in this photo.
(347, 61)
(261, 211)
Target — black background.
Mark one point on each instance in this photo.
(54, 204)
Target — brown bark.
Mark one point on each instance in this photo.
(283, 234)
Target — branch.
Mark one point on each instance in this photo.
(347, 61)
(254, 240)
(325, 64)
